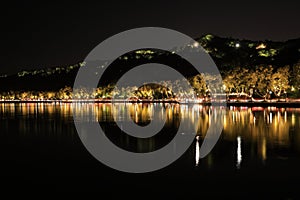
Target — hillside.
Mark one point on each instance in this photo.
(228, 53)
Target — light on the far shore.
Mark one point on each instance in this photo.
(293, 89)
(261, 46)
(196, 44)
(224, 87)
(237, 45)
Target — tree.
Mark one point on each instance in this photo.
(237, 80)
(295, 76)
(199, 84)
(280, 81)
(65, 93)
(264, 76)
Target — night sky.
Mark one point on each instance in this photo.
(38, 35)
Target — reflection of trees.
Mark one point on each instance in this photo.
(264, 129)
(141, 113)
(270, 125)
(253, 126)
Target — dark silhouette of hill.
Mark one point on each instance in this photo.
(227, 53)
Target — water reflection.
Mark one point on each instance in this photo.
(239, 152)
(37, 120)
(197, 154)
(254, 132)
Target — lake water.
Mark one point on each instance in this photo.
(257, 155)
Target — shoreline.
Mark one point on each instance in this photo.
(250, 104)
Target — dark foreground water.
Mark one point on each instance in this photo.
(257, 155)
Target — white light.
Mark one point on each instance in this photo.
(239, 153)
(197, 157)
(285, 116)
(293, 89)
(261, 46)
(237, 45)
(196, 44)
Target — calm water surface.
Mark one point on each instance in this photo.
(257, 155)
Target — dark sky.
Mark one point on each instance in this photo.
(36, 35)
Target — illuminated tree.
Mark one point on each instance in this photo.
(65, 93)
(213, 82)
(145, 92)
(280, 81)
(295, 77)
(107, 91)
(128, 92)
(237, 80)
(264, 77)
(50, 95)
(199, 85)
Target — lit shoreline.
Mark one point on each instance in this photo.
(288, 103)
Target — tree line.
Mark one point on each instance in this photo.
(260, 81)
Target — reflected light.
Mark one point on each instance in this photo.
(239, 153)
(293, 119)
(197, 157)
(264, 149)
(285, 116)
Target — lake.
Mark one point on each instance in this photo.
(256, 156)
